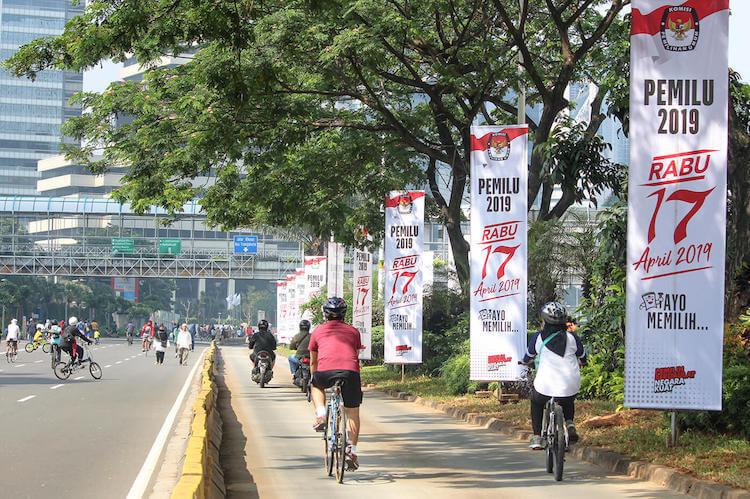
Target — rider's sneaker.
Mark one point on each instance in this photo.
(536, 442)
(572, 433)
(319, 424)
(352, 463)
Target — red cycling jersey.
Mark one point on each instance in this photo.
(338, 345)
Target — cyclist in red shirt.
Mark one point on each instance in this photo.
(334, 355)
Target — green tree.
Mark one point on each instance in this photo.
(308, 112)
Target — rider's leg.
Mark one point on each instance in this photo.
(293, 363)
(537, 411)
(352, 423)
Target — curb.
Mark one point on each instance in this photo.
(608, 459)
(201, 475)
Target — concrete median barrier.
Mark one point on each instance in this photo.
(201, 475)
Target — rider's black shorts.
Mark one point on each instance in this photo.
(351, 392)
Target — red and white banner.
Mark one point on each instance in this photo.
(362, 298)
(499, 175)
(315, 274)
(404, 228)
(335, 274)
(676, 204)
(281, 308)
(286, 328)
(301, 281)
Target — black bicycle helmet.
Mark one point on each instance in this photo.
(554, 313)
(334, 308)
(263, 325)
(304, 324)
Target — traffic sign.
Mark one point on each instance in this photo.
(170, 246)
(124, 245)
(245, 245)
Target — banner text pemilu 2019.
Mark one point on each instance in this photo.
(676, 204)
(404, 236)
(498, 251)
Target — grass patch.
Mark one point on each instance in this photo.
(642, 435)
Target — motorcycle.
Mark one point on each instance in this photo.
(263, 371)
(301, 376)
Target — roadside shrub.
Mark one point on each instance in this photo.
(733, 418)
(455, 372)
(441, 344)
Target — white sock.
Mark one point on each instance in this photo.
(320, 412)
(353, 449)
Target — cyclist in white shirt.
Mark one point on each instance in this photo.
(11, 339)
(558, 353)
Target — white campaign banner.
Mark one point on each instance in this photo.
(281, 306)
(301, 282)
(362, 297)
(291, 300)
(404, 228)
(315, 274)
(335, 274)
(499, 175)
(676, 204)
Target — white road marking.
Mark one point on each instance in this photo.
(108, 365)
(118, 362)
(79, 377)
(55, 387)
(19, 365)
(26, 398)
(138, 490)
(38, 361)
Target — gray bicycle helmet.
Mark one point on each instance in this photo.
(554, 313)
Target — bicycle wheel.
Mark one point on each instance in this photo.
(560, 443)
(30, 347)
(46, 348)
(329, 440)
(95, 370)
(341, 445)
(62, 371)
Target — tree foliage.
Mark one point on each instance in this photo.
(306, 113)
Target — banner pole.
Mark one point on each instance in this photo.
(402, 372)
(673, 430)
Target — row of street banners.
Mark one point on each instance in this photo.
(676, 224)
(305, 283)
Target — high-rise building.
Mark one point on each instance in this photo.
(32, 112)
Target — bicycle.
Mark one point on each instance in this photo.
(11, 352)
(33, 345)
(63, 370)
(555, 437)
(334, 434)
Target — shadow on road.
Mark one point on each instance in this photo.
(237, 478)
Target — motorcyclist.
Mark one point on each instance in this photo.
(300, 343)
(262, 341)
(68, 340)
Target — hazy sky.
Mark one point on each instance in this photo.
(739, 45)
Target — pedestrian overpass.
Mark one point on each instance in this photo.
(93, 237)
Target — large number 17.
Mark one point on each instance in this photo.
(696, 198)
(505, 250)
(409, 278)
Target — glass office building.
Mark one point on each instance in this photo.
(31, 113)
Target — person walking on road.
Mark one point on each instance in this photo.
(334, 355)
(161, 339)
(192, 336)
(184, 343)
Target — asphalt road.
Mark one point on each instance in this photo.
(405, 451)
(82, 438)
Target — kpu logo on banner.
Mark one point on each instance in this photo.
(679, 28)
(667, 378)
(402, 350)
(498, 146)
